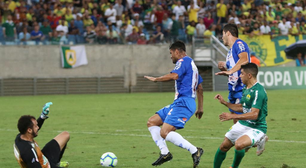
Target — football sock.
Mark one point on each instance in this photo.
(160, 142)
(178, 140)
(239, 154)
(219, 157)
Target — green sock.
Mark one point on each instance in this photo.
(219, 157)
(239, 154)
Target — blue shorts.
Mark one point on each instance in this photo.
(234, 98)
(178, 113)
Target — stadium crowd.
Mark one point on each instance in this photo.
(144, 21)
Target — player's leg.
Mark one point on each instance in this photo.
(221, 152)
(62, 139)
(240, 145)
(55, 149)
(153, 125)
(168, 132)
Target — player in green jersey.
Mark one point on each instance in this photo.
(251, 127)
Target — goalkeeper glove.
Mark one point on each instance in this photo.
(45, 110)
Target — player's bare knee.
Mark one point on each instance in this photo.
(163, 133)
(239, 146)
(150, 123)
(65, 135)
(224, 148)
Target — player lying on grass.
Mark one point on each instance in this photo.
(26, 149)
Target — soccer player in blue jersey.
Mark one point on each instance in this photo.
(237, 55)
(172, 117)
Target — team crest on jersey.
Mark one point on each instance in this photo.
(248, 97)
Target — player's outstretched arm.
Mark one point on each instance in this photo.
(44, 114)
(199, 112)
(168, 77)
(235, 107)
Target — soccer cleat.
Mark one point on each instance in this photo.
(196, 157)
(63, 164)
(261, 145)
(162, 159)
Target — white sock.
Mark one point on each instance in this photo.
(179, 141)
(160, 142)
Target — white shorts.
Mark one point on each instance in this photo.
(238, 130)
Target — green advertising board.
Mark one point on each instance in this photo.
(282, 77)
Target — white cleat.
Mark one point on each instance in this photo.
(261, 145)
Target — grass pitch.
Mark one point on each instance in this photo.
(117, 123)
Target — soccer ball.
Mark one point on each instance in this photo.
(108, 159)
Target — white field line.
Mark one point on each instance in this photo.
(148, 135)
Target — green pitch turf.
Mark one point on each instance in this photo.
(117, 123)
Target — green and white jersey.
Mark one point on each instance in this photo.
(255, 97)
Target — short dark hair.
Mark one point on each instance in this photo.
(24, 123)
(179, 45)
(232, 28)
(250, 68)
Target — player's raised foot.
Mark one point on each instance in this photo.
(261, 145)
(63, 164)
(196, 157)
(162, 159)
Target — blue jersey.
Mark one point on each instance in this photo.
(234, 81)
(188, 80)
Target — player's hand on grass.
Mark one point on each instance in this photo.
(153, 79)
(225, 116)
(199, 114)
(45, 110)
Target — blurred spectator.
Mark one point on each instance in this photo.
(283, 27)
(294, 31)
(101, 33)
(300, 61)
(193, 12)
(9, 29)
(112, 36)
(87, 20)
(53, 20)
(200, 28)
(89, 35)
(208, 20)
(119, 8)
(174, 31)
(62, 28)
(190, 30)
(179, 10)
(159, 14)
(201, 12)
(110, 14)
(265, 28)
(24, 35)
(46, 30)
(142, 39)
(68, 16)
(254, 59)
(274, 29)
(37, 35)
(79, 23)
(151, 39)
(137, 21)
(133, 38)
(221, 12)
(137, 8)
(208, 33)
(72, 29)
(158, 35)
